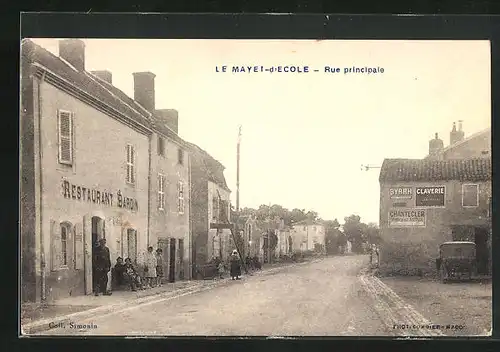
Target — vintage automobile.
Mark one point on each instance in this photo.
(456, 260)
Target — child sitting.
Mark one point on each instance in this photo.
(132, 276)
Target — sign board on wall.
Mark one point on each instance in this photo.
(401, 192)
(407, 218)
(430, 196)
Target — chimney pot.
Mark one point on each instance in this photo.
(144, 89)
(104, 75)
(460, 125)
(73, 51)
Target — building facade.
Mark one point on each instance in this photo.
(424, 203)
(308, 235)
(210, 208)
(86, 171)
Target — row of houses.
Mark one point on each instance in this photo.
(302, 236)
(445, 196)
(96, 163)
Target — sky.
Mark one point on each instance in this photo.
(306, 135)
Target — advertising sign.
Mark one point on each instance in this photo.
(401, 192)
(430, 196)
(407, 218)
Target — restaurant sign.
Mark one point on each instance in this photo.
(430, 196)
(401, 192)
(407, 218)
(91, 195)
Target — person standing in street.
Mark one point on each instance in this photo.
(235, 268)
(150, 268)
(102, 266)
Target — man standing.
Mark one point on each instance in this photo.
(102, 263)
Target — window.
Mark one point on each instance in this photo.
(161, 192)
(64, 244)
(180, 156)
(305, 228)
(470, 195)
(180, 193)
(65, 121)
(161, 146)
(249, 232)
(130, 164)
(215, 209)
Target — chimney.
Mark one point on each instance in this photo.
(436, 146)
(73, 51)
(456, 136)
(144, 89)
(169, 117)
(104, 75)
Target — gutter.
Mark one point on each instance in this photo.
(43, 296)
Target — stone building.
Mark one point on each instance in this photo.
(210, 208)
(87, 165)
(308, 235)
(424, 203)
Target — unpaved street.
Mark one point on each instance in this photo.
(322, 298)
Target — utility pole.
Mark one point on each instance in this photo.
(238, 171)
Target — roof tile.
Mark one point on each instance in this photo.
(394, 170)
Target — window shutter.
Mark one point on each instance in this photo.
(70, 247)
(65, 137)
(55, 247)
(132, 161)
(78, 251)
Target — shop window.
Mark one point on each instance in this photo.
(161, 192)
(161, 146)
(470, 195)
(130, 164)
(180, 196)
(65, 124)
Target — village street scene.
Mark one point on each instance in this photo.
(157, 200)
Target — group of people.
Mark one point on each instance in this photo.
(124, 273)
(127, 274)
(235, 265)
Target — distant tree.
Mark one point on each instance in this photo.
(353, 229)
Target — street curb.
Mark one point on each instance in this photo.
(375, 287)
(46, 324)
(197, 286)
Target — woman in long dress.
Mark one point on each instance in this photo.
(150, 268)
(235, 266)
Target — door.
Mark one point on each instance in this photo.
(163, 244)
(97, 234)
(482, 251)
(181, 259)
(171, 271)
(132, 245)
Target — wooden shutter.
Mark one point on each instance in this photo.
(65, 121)
(87, 252)
(132, 161)
(79, 250)
(55, 245)
(70, 247)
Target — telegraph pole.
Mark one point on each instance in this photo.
(238, 171)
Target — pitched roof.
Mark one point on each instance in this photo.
(83, 80)
(465, 140)
(100, 89)
(394, 170)
(213, 168)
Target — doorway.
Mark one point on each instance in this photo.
(132, 245)
(97, 233)
(290, 244)
(181, 259)
(481, 235)
(171, 267)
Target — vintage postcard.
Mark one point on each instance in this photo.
(255, 188)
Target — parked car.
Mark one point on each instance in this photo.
(456, 260)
